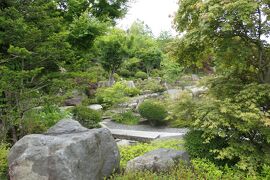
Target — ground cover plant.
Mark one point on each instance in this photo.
(127, 117)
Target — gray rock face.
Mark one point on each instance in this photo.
(157, 160)
(67, 151)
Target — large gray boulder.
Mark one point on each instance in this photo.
(157, 160)
(67, 151)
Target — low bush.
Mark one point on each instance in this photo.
(40, 120)
(130, 152)
(116, 94)
(153, 111)
(4, 149)
(125, 73)
(152, 85)
(241, 119)
(141, 75)
(87, 117)
(156, 73)
(197, 148)
(126, 118)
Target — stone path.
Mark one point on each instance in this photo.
(141, 132)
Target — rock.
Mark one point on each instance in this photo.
(130, 84)
(133, 105)
(102, 84)
(73, 101)
(174, 93)
(67, 151)
(196, 91)
(125, 142)
(157, 160)
(195, 77)
(65, 108)
(95, 107)
(91, 89)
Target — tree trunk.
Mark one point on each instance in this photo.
(14, 134)
(111, 78)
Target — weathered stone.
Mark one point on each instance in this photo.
(157, 160)
(67, 151)
(91, 89)
(130, 84)
(105, 84)
(196, 91)
(73, 101)
(95, 107)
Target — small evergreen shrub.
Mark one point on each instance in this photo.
(87, 117)
(141, 75)
(126, 118)
(153, 111)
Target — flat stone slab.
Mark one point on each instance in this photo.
(141, 133)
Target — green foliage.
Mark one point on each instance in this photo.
(141, 75)
(41, 43)
(171, 70)
(116, 94)
(4, 149)
(239, 118)
(153, 111)
(152, 85)
(112, 51)
(125, 73)
(207, 168)
(127, 117)
(150, 57)
(130, 66)
(38, 121)
(84, 30)
(143, 49)
(87, 117)
(182, 114)
(199, 169)
(130, 152)
(230, 33)
(197, 148)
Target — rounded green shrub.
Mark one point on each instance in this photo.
(141, 75)
(125, 73)
(87, 117)
(153, 111)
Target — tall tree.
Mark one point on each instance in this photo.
(233, 31)
(112, 51)
(37, 39)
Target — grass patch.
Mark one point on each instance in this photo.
(126, 118)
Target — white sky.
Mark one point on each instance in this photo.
(155, 13)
